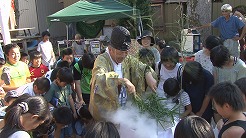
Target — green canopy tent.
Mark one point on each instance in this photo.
(87, 11)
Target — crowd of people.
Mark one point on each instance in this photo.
(42, 96)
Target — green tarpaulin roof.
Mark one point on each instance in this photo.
(91, 11)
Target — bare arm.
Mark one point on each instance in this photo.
(152, 83)
(78, 91)
(71, 102)
(204, 106)
(243, 32)
(188, 110)
(203, 26)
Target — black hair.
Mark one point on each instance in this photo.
(193, 127)
(8, 47)
(54, 74)
(62, 64)
(43, 84)
(85, 115)
(241, 84)
(227, 92)
(193, 72)
(243, 53)
(161, 44)
(65, 75)
(20, 99)
(35, 105)
(212, 41)
(102, 129)
(171, 87)
(88, 60)
(63, 115)
(66, 51)
(147, 57)
(2, 61)
(35, 55)
(219, 55)
(45, 33)
(169, 54)
(23, 54)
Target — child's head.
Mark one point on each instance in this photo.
(41, 85)
(161, 45)
(10, 97)
(219, 55)
(12, 52)
(193, 72)
(193, 127)
(63, 115)
(227, 98)
(88, 60)
(64, 76)
(147, 57)
(171, 87)
(24, 58)
(102, 130)
(45, 36)
(35, 58)
(85, 115)
(212, 41)
(241, 84)
(27, 115)
(169, 57)
(67, 55)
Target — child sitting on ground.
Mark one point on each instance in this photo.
(178, 96)
(37, 69)
(228, 102)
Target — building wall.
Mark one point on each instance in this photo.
(28, 16)
(46, 8)
(216, 12)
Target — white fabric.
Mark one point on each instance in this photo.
(20, 134)
(27, 88)
(204, 60)
(233, 47)
(184, 100)
(46, 49)
(165, 74)
(4, 20)
(117, 67)
(48, 75)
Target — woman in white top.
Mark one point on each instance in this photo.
(25, 116)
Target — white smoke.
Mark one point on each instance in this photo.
(133, 124)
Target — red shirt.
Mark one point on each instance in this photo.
(38, 72)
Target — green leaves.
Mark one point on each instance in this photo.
(157, 108)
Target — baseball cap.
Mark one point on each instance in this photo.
(120, 38)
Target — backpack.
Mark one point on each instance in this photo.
(178, 72)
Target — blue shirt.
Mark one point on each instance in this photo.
(228, 29)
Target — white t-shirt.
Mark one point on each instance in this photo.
(165, 74)
(46, 49)
(20, 134)
(27, 88)
(204, 60)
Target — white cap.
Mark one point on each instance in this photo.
(226, 7)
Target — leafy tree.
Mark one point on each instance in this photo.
(144, 6)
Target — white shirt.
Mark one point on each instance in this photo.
(204, 60)
(46, 49)
(20, 134)
(27, 88)
(165, 74)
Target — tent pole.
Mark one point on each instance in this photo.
(67, 33)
